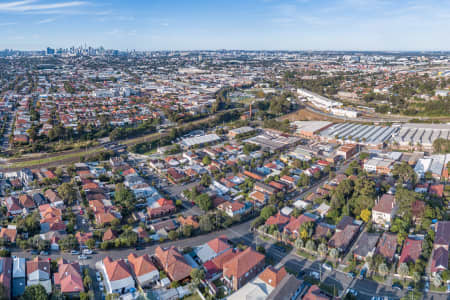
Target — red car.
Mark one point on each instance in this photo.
(81, 212)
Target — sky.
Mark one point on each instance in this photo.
(391, 25)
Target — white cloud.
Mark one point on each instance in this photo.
(34, 5)
(8, 23)
(45, 21)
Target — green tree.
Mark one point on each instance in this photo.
(403, 270)
(68, 193)
(90, 243)
(68, 242)
(383, 269)
(204, 202)
(206, 160)
(267, 212)
(197, 275)
(173, 235)
(35, 292)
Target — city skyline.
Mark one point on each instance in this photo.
(249, 25)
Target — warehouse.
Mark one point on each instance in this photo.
(420, 135)
(310, 128)
(370, 135)
(200, 140)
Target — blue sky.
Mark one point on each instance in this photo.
(227, 24)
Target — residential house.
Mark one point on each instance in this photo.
(6, 275)
(289, 288)
(261, 286)
(242, 268)
(341, 240)
(292, 227)
(384, 210)
(411, 250)
(440, 256)
(38, 272)
(54, 198)
(233, 208)
(173, 263)
(212, 248)
(143, 269)
(8, 234)
(117, 275)
(366, 245)
(387, 245)
(279, 220)
(18, 275)
(69, 278)
(314, 293)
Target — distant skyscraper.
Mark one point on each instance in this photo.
(50, 51)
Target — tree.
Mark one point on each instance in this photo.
(35, 292)
(267, 212)
(68, 193)
(298, 243)
(365, 215)
(205, 224)
(205, 180)
(204, 202)
(187, 230)
(403, 270)
(69, 242)
(334, 253)
(416, 277)
(87, 282)
(322, 249)
(124, 197)
(310, 245)
(197, 275)
(383, 269)
(173, 235)
(206, 160)
(90, 243)
(404, 173)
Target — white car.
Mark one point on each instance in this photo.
(82, 257)
(87, 251)
(327, 267)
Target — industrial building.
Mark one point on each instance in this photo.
(370, 135)
(273, 141)
(310, 128)
(318, 100)
(420, 135)
(200, 140)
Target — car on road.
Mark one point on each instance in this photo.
(139, 248)
(362, 274)
(87, 251)
(43, 253)
(314, 274)
(427, 286)
(82, 257)
(352, 292)
(74, 252)
(34, 252)
(99, 278)
(327, 267)
(397, 286)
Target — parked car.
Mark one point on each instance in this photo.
(87, 251)
(34, 252)
(43, 253)
(362, 274)
(74, 252)
(99, 278)
(427, 286)
(327, 267)
(82, 257)
(352, 292)
(314, 274)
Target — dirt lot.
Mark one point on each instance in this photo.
(306, 115)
